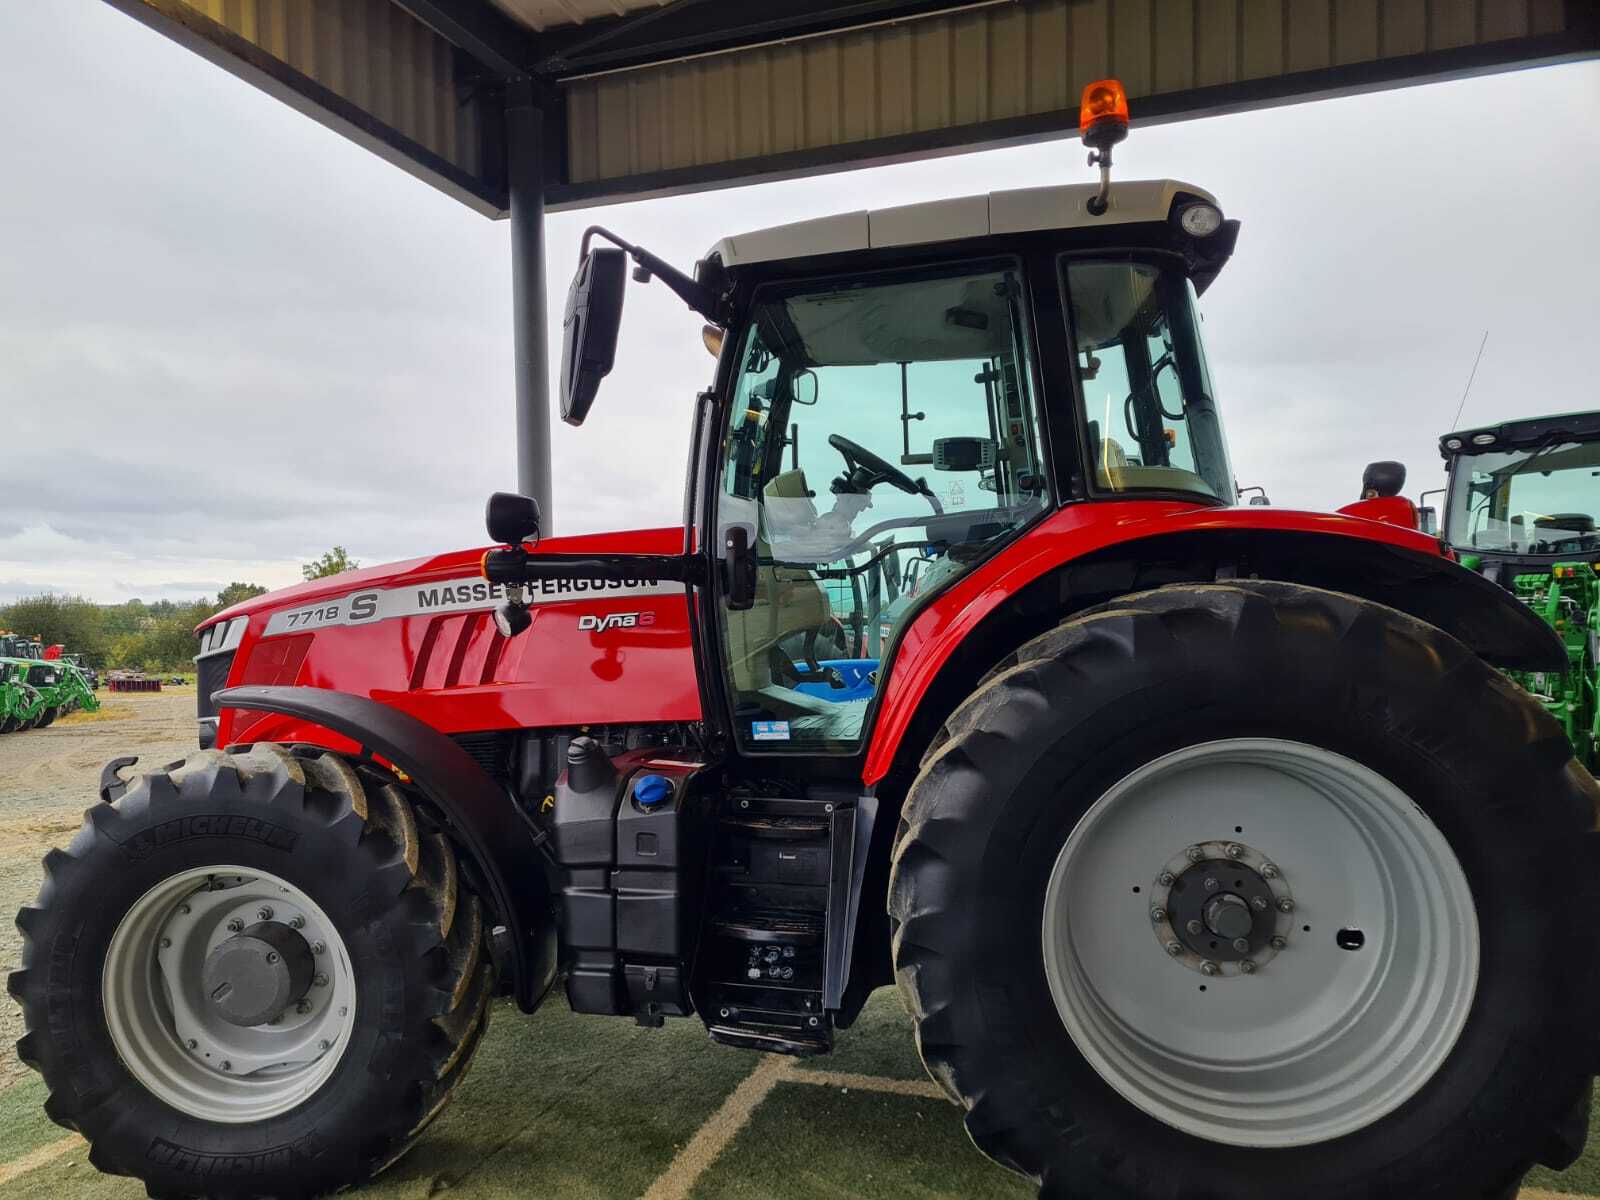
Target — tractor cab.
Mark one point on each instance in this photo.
(1524, 495)
(901, 393)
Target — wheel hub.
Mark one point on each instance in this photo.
(1221, 908)
(229, 993)
(1378, 975)
(254, 976)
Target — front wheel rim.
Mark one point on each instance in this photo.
(1365, 995)
(176, 1045)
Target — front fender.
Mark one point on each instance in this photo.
(483, 819)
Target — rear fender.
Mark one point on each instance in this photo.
(981, 620)
(482, 818)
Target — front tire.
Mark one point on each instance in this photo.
(310, 863)
(1405, 829)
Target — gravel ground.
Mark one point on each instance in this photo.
(47, 778)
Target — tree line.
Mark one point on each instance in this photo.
(147, 636)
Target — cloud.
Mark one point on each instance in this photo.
(232, 339)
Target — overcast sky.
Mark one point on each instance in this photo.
(229, 338)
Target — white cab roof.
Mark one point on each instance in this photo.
(1019, 211)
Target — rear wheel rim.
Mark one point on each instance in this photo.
(176, 1045)
(1350, 1017)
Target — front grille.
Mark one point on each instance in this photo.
(211, 675)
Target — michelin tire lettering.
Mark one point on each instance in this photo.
(371, 605)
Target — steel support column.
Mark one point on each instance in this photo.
(525, 181)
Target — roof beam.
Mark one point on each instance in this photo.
(479, 29)
(688, 28)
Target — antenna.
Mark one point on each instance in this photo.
(1456, 424)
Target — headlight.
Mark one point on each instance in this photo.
(1200, 220)
(1452, 443)
(1483, 439)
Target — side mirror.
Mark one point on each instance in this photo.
(804, 387)
(511, 519)
(1428, 519)
(1382, 479)
(589, 329)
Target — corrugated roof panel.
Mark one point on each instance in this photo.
(1001, 63)
(391, 77)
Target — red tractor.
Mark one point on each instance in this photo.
(1211, 854)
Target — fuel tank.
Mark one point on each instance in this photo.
(419, 636)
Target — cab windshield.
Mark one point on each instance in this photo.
(1149, 409)
(1535, 501)
(883, 438)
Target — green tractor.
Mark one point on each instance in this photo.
(1521, 506)
(77, 692)
(46, 679)
(20, 704)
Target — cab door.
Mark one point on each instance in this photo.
(881, 437)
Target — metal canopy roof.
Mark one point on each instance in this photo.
(648, 97)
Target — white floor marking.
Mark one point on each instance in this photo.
(713, 1137)
(37, 1158)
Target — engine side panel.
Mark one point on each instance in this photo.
(419, 636)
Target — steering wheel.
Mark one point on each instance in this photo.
(864, 470)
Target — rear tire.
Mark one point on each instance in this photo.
(316, 835)
(1029, 766)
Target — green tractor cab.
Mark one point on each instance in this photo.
(1521, 507)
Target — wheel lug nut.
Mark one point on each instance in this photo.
(1278, 943)
(1166, 879)
(1174, 948)
(235, 926)
(303, 1007)
(192, 1044)
(1195, 853)
(1286, 905)
(1259, 904)
(1247, 967)
(272, 956)
(226, 1065)
(318, 948)
(1158, 915)
(1207, 967)
(1211, 885)
(320, 979)
(324, 1045)
(264, 913)
(166, 943)
(1235, 850)
(1268, 871)
(1195, 928)
(184, 910)
(1241, 944)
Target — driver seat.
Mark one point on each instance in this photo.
(787, 599)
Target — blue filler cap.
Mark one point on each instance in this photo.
(651, 790)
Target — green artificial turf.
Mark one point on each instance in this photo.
(587, 1108)
(808, 1142)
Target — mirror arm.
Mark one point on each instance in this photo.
(693, 293)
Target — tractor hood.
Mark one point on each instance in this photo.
(419, 636)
